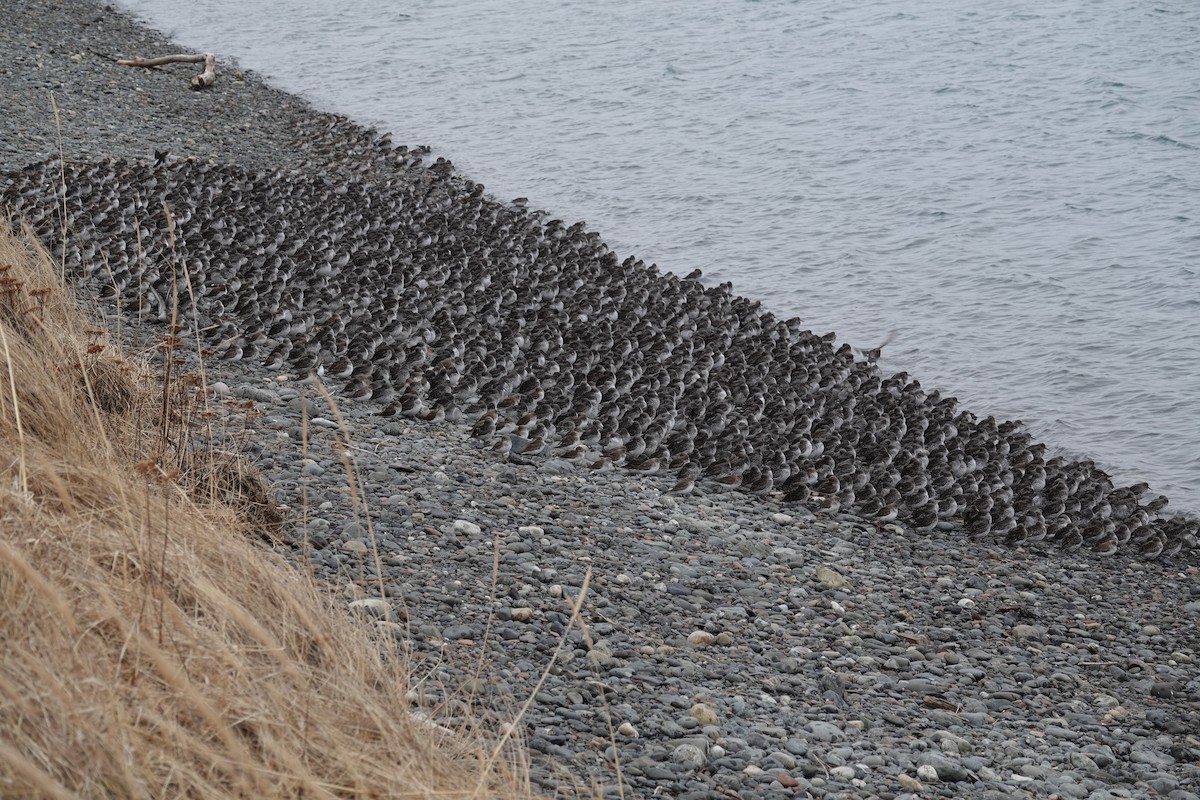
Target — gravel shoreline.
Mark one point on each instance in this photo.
(742, 646)
(736, 646)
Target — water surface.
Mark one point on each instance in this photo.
(1010, 191)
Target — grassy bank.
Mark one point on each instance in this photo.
(150, 647)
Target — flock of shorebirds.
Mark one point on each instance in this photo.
(411, 287)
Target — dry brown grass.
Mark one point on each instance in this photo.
(148, 648)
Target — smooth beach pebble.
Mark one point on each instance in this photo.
(373, 606)
(703, 713)
(355, 548)
(1026, 632)
(830, 578)
(689, 756)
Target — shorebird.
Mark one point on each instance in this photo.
(415, 290)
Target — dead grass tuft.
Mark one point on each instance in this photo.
(150, 649)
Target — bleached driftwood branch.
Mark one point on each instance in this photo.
(205, 78)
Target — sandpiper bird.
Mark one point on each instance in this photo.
(647, 465)
(1150, 546)
(406, 284)
(977, 522)
(925, 517)
(686, 483)
(797, 492)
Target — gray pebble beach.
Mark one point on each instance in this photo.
(734, 645)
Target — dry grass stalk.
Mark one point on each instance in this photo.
(150, 649)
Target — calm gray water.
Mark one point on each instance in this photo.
(1012, 188)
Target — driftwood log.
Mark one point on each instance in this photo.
(204, 79)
